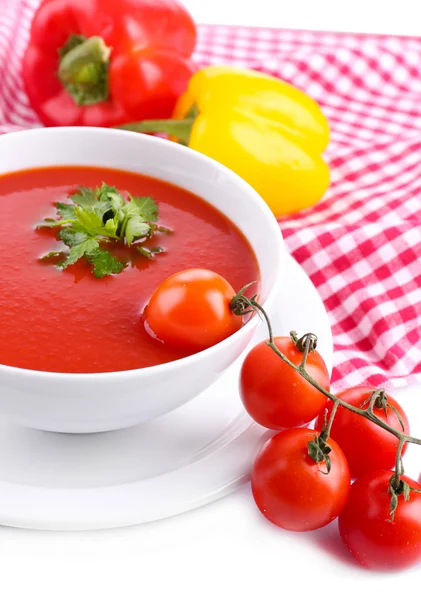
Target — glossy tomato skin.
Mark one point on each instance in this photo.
(367, 532)
(191, 310)
(274, 394)
(366, 446)
(294, 492)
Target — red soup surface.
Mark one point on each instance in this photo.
(69, 321)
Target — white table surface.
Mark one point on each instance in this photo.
(225, 549)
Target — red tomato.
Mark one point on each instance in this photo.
(191, 310)
(366, 446)
(274, 394)
(293, 491)
(368, 533)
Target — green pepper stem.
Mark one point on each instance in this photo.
(181, 129)
(83, 69)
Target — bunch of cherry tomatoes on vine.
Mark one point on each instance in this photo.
(301, 479)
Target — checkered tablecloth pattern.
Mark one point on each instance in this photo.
(361, 245)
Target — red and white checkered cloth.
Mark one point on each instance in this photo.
(361, 245)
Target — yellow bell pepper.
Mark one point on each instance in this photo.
(269, 132)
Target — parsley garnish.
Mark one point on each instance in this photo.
(95, 217)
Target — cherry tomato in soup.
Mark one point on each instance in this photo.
(191, 310)
(367, 530)
(291, 489)
(274, 394)
(366, 446)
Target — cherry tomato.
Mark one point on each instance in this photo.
(274, 394)
(291, 489)
(191, 310)
(369, 534)
(366, 446)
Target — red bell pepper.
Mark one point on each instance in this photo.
(106, 62)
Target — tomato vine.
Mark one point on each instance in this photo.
(318, 449)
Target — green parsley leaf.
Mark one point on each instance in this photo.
(111, 227)
(96, 216)
(53, 254)
(149, 252)
(66, 211)
(145, 252)
(89, 220)
(104, 210)
(83, 197)
(147, 207)
(110, 201)
(163, 229)
(131, 208)
(71, 237)
(158, 229)
(105, 192)
(135, 229)
(51, 223)
(104, 263)
(116, 201)
(77, 251)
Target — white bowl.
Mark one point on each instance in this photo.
(83, 403)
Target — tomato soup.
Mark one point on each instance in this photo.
(69, 321)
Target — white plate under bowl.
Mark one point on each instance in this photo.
(175, 463)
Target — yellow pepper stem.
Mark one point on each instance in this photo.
(181, 129)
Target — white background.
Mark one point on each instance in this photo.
(364, 16)
(225, 549)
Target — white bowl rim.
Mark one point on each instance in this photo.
(193, 358)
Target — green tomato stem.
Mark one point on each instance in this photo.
(367, 412)
(399, 470)
(326, 432)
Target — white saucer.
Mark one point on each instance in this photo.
(178, 462)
